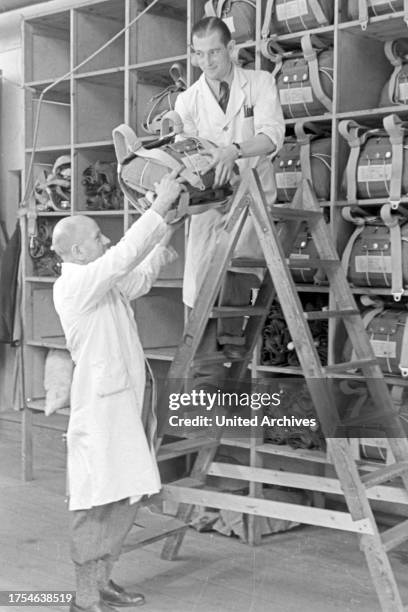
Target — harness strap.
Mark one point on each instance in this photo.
(395, 128)
(393, 223)
(311, 57)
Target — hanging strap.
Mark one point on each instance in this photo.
(396, 130)
(266, 26)
(392, 221)
(378, 307)
(403, 364)
(126, 142)
(363, 13)
(396, 61)
(318, 13)
(360, 223)
(310, 55)
(350, 130)
(209, 9)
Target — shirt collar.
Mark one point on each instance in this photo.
(215, 85)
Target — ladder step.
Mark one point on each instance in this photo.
(384, 474)
(296, 214)
(151, 527)
(217, 358)
(237, 311)
(395, 536)
(355, 364)
(247, 262)
(312, 263)
(183, 447)
(313, 315)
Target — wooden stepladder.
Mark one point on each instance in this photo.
(357, 486)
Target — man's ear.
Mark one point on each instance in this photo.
(231, 49)
(76, 252)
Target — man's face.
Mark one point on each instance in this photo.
(91, 242)
(213, 57)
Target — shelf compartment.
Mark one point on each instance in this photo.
(160, 33)
(361, 86)
(382, 27)
(94, 26)
(47, 47)
(84, 159)
(41, 316)
(160, 318)
(54, 123)
(99, 105)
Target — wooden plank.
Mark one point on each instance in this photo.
(354, 364)
(397, 495)
(183, 447)
(237, 311)
(263, 507)
(395, 536)
(315, 315)
(384, 474)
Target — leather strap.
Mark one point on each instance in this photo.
(396, 61)
(125, 141)
(393, 223)
(209, 9)
(395, 128)
(318, 13)
(403, 364)
(345, 258)
(350, 130)
(311, 57)
(370, 315)
(363, 14)
(266, 26)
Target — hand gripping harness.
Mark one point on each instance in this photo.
(141, 167)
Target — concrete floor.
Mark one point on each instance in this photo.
(308, 569)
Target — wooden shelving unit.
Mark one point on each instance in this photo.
(79, 114)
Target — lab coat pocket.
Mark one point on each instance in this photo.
(247, 127)
(110, 377)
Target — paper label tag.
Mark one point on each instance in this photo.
(196, 162)
(299, 256)
(373, 263)
(229, 22)
(287, 180)
(384, 348)
(296, 95)
(291, 9)
(403, 91)
(374, 173)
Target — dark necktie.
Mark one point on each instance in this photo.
(224, 95)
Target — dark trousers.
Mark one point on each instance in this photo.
(97, 536)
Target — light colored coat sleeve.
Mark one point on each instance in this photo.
(189, 125)
(139, 281)
(268, 116)
(96, 278)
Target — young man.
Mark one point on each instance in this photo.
(111, 461)
(238, 110)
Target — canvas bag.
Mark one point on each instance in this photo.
(307, 156)
(238, 15)
(364, 9)
(287, 16)
(141, 167)
(395, 90)
(376, 254)
(304, 78)
(377, 166)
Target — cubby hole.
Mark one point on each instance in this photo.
(277, 349)
(47, 48)
(160, 318)
(97, 186)
(363, 72)
(95, 25)
(41, 316)
(99, 107)
(54, 117)
(41, 260)
(111, 227)
(160, 33)
(43, 165)
(145, 84)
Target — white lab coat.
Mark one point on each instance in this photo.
(109, 456)
(202, 116)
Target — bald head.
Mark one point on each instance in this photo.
(78, 239)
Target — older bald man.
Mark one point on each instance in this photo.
(111, 462)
